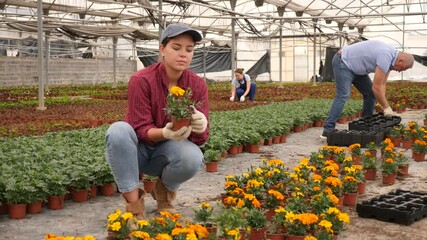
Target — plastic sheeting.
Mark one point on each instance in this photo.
(216, 60)
(420, 59)
(260, 67)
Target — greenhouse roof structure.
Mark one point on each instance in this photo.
(142, 19)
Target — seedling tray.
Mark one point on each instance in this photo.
(399, 206)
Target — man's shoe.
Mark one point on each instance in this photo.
(325, 134)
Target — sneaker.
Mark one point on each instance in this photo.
(325, 134)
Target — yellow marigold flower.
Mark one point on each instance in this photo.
(205, 205)
(279, 210)
(310, 238)
(235, 233)
(113, 217)
(317, 177)
(343, 217)
(199, 230)
(240, 203)
(230, 184)
(228, 177)
(127, 215)
(304, 161)
(249, 196)
(275, 162)
(258, 171)
(333, 210)
(116, 226)
(256, 203)
(349, 179)
(327, 225)
(163, 236)
(177, 91)
(290, 217)
(229, 200)
(308, 218)
(333, 198)
(88, 237)
(177, 231)
(254, 183)
(143, 223)
(140, 234)
(160, 221)
(278, 195)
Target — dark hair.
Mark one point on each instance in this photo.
(239, 70)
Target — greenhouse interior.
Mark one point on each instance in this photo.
(297, 153)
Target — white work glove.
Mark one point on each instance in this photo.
(198, 121)
(177, 135)
(388, 112)
(232, 99)
(242, 98)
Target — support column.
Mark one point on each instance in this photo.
(40, 54)
(114, 59)
(233, 38)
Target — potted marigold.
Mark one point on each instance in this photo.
(231, 222)
(389, 170)
(300, 224)
(350, 183)
(203, 215)
(372, 147)
(178, 106)
(370, 165)
(355, 150)
(336, 218)
(419, 149)
(402, 164)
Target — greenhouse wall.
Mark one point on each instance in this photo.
(18, 71)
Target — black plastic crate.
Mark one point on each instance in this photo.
(400, 206)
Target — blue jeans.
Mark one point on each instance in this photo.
(344, 77)
(174, 161)
(251, 94)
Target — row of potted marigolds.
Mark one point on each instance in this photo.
(410, 136)
(266, 202)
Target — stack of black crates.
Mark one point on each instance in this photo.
(363, 131)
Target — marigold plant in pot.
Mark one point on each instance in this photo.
(372, 147)
(419, 149)
(203, 215)
(402, 164)
(337, 218)
(389, 170)
(300, 224)
(231, 221)
(355, 151)
(370, 164)
(178, 106)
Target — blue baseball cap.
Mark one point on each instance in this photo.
(176, 29)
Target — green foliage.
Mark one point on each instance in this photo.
(230, 218)
(212, 155)
(256, 218)
(203, 213)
